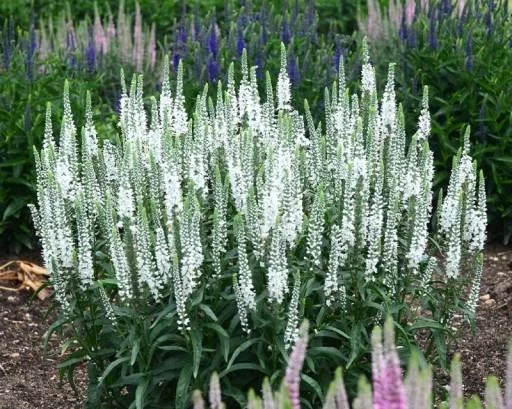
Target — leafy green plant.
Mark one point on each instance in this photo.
(185, 246)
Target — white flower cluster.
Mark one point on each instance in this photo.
(463, 218)
(172, 194)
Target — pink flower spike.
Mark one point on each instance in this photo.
(138, 42)
(377, 369)
(456, 395)
(340, 392)
(152, 47)
(294, 367)
(460, 7)
(99, 32)
(215, 393)
(410, 9)
(111, 33)
(197, 400)
(493, 397)
(395, 396)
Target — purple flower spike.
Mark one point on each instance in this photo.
(432, 35)
(469, 52)
(181, 36)
(213, 70)
(412, 38)
(259, 61)
(195, 28)
(488, 22)
(402, 32)
(293, 70)
(212, 42)
(240, 44)
(31, 50)
(295, 362)
(286, 33)
(90, 53)
(7, 40)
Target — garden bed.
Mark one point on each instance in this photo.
(30, 380)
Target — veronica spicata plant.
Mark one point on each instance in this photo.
(187, 245)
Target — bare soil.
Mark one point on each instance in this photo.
(30, 380)
(483, 352)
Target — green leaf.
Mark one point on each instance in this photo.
(172, 348)
(223, 338)
(113, 365)
(196, 337)
(242, 348)
(182, 389)
(242, 366)
(427, 323)
(313, 384)
(140, 393)
(330, 352)
(135, 352)
(209, 312)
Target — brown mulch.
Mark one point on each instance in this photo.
(29, 380)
